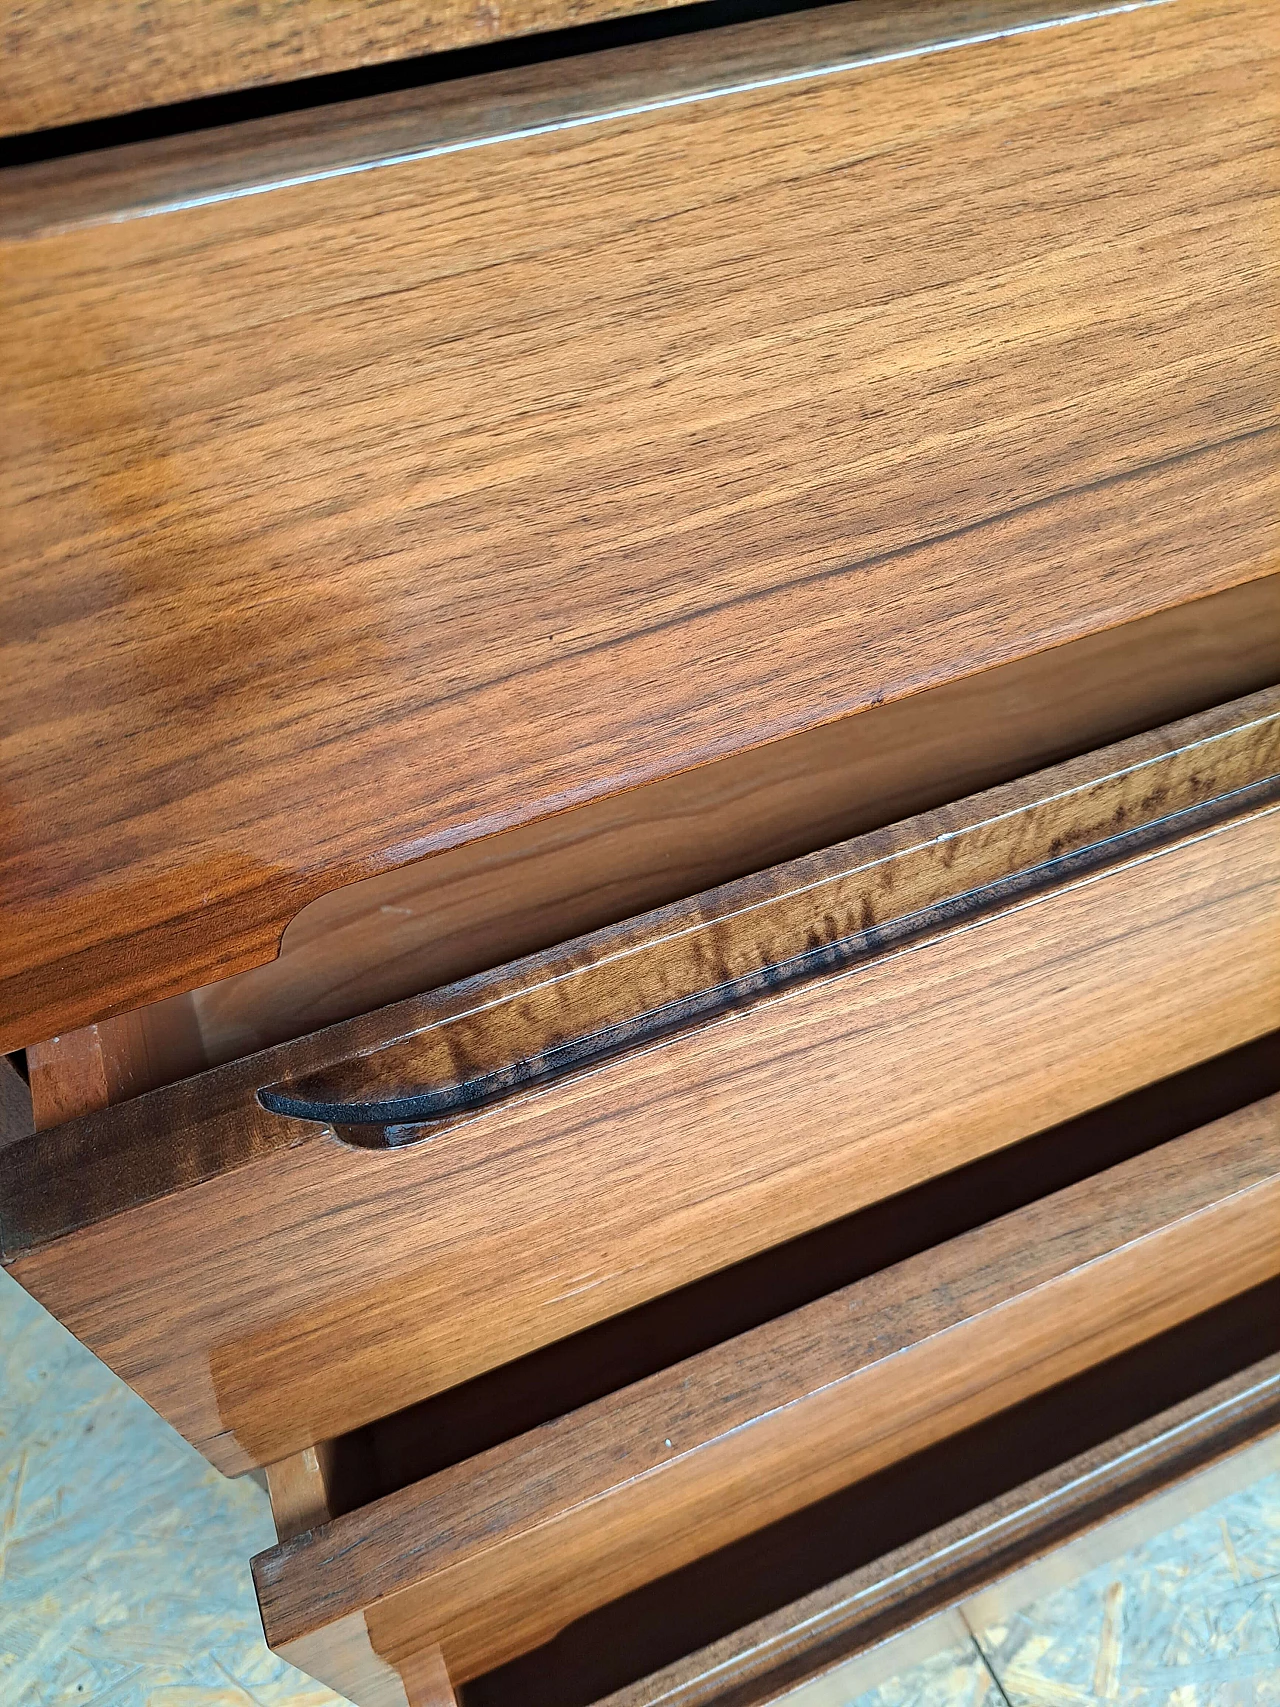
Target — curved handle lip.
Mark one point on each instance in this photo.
(469, 1096)
(422, 1106)
(400, 1121)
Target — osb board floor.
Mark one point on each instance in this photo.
(124, 1578)
(124, 1558)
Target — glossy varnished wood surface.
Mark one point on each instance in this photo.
(886, 889)
(476, 907)
(71, 60)
(763, 1661)
(628, 987)
(494, 1555)
(256, 1337)
(305, 583)
(15, 1103)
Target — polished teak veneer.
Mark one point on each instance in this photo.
(299, 536)
(639, 736)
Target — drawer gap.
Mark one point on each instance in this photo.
(705, 1602)
(391, 937)
(468, 1419)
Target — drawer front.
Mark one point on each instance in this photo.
(980, 973)
(593, 433)
(69, 61)
(495, 1555)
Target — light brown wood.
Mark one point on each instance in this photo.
(460, 913)
(764, 1661)
(96, 1065)
(69, 1077)
(892, 394)
(299, 1490)
(68, 61)
(492, 1557)
(256, 1337)
(426, 1679)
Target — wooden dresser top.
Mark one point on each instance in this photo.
(383, 509)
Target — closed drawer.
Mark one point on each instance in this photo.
(414, 476)
(494, 1556)
(532, 1150)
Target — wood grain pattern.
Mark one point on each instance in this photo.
(263, 489)
(15, 1103)
(70, 60)
(682, 1612)
(426, 1680)
(965, 856)
(256, 1338)
(391, 937)
(56, 195)
(299, 1490)
(763, 1661)
(627, 988)
(493, 1556)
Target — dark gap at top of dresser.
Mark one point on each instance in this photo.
(278, 134)
(516, 1397)
(646, 21)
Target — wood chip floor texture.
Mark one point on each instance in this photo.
(124, 1579)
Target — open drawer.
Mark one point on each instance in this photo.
(603, 1517)
(289, 1246)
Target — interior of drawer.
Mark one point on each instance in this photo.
(506, 1541)
(886, 1552)
(390, 937)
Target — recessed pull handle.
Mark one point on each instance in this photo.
(626, 988)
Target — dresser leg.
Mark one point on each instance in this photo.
(426, 1680)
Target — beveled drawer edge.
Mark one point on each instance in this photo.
(496, 1553)
(180, 1135)
(765, 1661)
(149, 179)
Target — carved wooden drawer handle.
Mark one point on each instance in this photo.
(619, 990)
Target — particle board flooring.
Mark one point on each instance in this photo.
(124, 1579)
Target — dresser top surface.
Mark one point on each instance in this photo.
(372, 514)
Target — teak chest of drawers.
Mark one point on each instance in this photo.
(641, 755)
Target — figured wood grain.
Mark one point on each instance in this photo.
(494, 1555)
(698, 959)
(758, 410)
(391, 937)
(71, 60)
(763, 1661)
(256, 1337)
(893, 886)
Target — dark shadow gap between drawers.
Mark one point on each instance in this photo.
(420, 71)
(518, 1396)
(680, 1613)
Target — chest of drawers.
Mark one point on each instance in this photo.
(640, 761)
